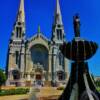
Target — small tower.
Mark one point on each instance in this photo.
(16, 52)
(58, 34)
(59, 62)
(19, 27)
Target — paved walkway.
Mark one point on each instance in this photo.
(15, 97)
(36, 94)
(45, 92)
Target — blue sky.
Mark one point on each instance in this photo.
(41, 12)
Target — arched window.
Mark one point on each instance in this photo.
(61, 59)
(16, 74)
(59, 34)
(60, 75)
(18, 32)
(17, 57)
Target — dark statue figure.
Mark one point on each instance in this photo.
(80, 85)
(76, 23)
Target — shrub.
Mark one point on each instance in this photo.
(2, 78)
(61, 88)
(14, 91)
(98, 88)
(97, 83)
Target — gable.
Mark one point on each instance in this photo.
(38, 39)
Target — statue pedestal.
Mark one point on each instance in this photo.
(80, 84)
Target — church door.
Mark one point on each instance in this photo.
(38, 77)
(60, 75)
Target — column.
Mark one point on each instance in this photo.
(54, 64)
(66, 64)
(28, 62)
(49, 69)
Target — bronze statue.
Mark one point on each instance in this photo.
(76, 22)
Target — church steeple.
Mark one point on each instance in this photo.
(19, 26)
(17, 41)
(58, 16)
(58, 34)
(21, 14)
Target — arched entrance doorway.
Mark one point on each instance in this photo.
(39, 76)
(16, 77)
(39, 56)
(60, 75)
(16, 74)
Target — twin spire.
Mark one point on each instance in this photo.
(57, 20)
(58, 17)
(21, 13)
(19, 26)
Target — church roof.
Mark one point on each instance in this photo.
(38, 35)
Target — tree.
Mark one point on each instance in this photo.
(2, 78)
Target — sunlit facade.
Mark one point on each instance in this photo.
(36, 60)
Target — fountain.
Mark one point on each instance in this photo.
(80, 85)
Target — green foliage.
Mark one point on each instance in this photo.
(2, 77)
(97, 83)
(98, 88)
(17, 91)
(61, 88)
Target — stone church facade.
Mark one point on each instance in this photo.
(36, 60)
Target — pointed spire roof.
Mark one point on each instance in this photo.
(58, 16)
(21, 13)
(20, 19)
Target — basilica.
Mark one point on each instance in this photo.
(36, 60)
